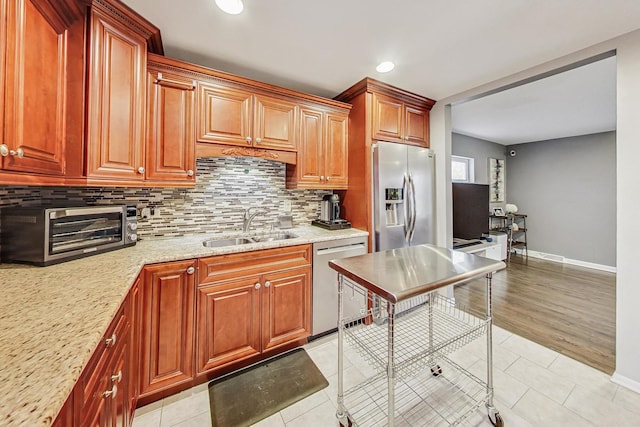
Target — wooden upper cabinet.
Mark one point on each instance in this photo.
(167, 322)
(274, 123)
(232, 116)
(116, 99)
(336, 151)
(387, 118)
(416, 126)
(224, 115)
(394, 120)
(322, 150)
(41, 76)
(170, 148)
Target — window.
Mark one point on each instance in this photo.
(462, 169)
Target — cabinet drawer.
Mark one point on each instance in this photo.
(250, 263)
(94, 379)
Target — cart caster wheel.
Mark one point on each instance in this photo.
(436, 370)
(349, 424)
(498, 422)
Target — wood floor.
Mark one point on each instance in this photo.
(566, 308)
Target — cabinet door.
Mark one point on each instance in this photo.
(116, 100)
(224, 115)
(311, 158)
(35, 86)
(286, 307)
(274, 124)
(336, 151)
(416, 129)
(118, 373)
(228, 316)
(167, 325)
(94, 391)
(135, 305)
(387, 118)
(170, 154)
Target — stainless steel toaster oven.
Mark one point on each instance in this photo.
(49, 235)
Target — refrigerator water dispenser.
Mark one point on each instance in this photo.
(394, 201)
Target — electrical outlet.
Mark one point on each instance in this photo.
(286, 205)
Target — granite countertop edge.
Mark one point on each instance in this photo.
(48, 332)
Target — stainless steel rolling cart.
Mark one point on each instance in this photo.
(405, 332)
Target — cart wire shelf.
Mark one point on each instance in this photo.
(420, 400)
(452, 328)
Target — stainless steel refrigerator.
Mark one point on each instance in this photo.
(403, 196)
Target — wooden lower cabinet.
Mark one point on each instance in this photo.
(174, 331)
(166, 334)
(102, 394)
(250, 303)
(228, 322)
(286, 307)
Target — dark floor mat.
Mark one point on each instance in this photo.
(252, 394)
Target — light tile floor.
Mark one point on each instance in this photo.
(534, 386)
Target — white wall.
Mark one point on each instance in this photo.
(628, 181)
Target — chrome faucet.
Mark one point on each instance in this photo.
(248, 217)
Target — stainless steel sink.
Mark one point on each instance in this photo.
(283, 235)
(243, 240)
(232, 241)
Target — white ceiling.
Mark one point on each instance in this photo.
(576, 102)
(440, 47)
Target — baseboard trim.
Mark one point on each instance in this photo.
(563, 260)
(626, 382)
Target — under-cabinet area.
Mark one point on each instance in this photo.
(150, 320)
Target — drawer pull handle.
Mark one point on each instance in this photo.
(191, 270)
(110, 342)
(257, 286)
(117, 378)
(111, 393)
(267, 284)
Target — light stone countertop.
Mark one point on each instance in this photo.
(52, 318)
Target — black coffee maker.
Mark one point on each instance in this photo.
(330, 213)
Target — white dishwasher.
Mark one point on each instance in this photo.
(325, 283)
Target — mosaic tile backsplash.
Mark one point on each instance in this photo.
(225, 186)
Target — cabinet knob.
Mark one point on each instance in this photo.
(117, 377)
(19, 152)
(248, 139)
(258, 140)
(110, 342)
(190, 172)
(140, 170)
(257, 286)
(406, 138)
(267, 284)
(111, 393)
(328, 178)
(191, 270)
(4, 151)
(322, 178)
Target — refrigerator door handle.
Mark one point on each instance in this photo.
(414, 212)
(407, 211)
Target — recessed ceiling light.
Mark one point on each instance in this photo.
(232, 7)
(385, 67)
